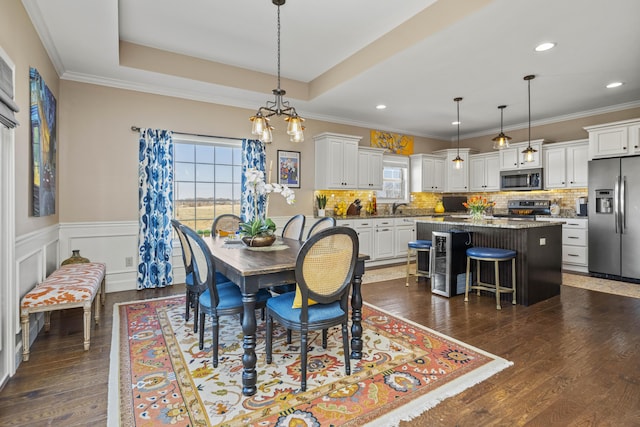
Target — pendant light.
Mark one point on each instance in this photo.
(529, 151)
(458, 160)
(501, 141)
(279, 107)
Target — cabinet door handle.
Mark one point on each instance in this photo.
(572, 237)
(573, 255)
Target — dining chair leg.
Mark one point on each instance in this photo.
(288, 336)
(324, 338)
(186, 311)
(214, 327)
(201, 335)
(196, 309)
(303, 360)
(269, 342)
(345, 343)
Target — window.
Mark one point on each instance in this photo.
(395, 180)
(207, 179)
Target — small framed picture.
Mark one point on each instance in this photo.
(289, 168)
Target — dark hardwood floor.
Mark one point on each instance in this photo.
(576, 361)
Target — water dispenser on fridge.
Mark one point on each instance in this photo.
(604, 201)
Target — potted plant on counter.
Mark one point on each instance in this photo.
(322, 204)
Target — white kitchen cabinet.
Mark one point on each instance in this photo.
(512, 158)
(405, 232)
(484, 172)
(575, 243)
(383, 238)
(336, 158)
(427, 173)
(566, 164)
(370, 168)
(364, 228)
(457, 180)
(614, 139)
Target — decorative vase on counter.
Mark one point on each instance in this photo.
(439, 207)
(321, 212)
(477, 215)
(75, 258)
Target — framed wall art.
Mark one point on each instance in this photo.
(43, 145)
(289, 168)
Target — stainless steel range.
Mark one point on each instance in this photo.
(526, 209)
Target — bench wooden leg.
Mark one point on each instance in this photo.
(25, 337)
(47, 321)
(87, 326)
(96, 308)
(103, 290)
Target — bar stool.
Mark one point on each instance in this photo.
(416, 247)
(496, 255)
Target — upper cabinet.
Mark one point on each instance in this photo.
(370, 168)
(512, 158)
(336, 161)
(484, 172)
(457, 180)
(427, 173)
(614, 139)
(566, 164)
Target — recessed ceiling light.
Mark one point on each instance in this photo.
(456, 123)
(381, 106)
(614, 84)
(545, 46)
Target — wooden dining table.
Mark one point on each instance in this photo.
(256, 268)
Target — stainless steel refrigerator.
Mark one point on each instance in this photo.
(614, 217)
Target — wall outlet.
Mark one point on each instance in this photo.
(128, 261)
(543, 241)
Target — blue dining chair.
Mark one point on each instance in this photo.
(223, 226)
(192, 292)
(321, 299)
(214, 301)
(293, 229)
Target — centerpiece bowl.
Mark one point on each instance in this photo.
(258, 241)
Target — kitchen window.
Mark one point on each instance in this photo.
(207, 179)
(395, 180)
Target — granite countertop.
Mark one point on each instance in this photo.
(491, 222)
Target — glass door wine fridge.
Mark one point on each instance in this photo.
(449, 261)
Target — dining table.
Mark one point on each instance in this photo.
(263, 267)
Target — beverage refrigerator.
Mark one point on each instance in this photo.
(614, 218)
(448, 257)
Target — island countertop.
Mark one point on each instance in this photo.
(490, 222)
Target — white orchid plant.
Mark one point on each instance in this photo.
(256, 185)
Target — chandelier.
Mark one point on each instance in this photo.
(279, 107)
(529, 151)
(501, 141)
(458, 160)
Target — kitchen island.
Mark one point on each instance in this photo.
(538, 245)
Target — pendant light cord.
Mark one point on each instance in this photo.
(529, 96)
(458, 107)
(278, 47)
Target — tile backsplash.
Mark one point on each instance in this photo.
(425, 202)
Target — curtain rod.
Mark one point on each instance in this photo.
(137, 129)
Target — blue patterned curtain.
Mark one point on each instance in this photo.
(155, 179)
(253, 156)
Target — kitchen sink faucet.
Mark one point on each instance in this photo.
(395, 207)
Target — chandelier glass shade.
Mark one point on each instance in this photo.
(457, 162)
(278, 107)
(501, 141)
(529, 152)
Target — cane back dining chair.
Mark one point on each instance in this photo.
(321, 224)
(327, 287)
(224, 225)
(294, 227)
(214, 301)
(192, 292)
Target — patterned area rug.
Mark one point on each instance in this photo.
(159, 376)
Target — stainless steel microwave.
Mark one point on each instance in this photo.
(521, 180)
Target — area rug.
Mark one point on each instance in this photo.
(158, 376)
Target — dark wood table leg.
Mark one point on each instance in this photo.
(249, 375)
(356, 312)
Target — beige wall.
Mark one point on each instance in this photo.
(21, 43)
(568, 130)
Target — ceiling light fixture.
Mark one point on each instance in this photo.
(545, 46)
(278, 107)
(458, 160)
(614, 85)
(381, 107)
(529, 151)
(501, 141)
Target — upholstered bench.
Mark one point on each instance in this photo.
(72, 285)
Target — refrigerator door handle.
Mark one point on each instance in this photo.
(623, 215)
(616, 203)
